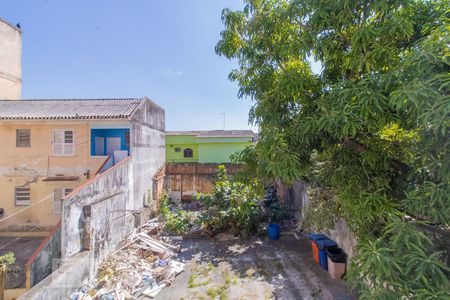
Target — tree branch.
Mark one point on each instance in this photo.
(357, 147)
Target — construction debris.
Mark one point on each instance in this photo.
(141, 268)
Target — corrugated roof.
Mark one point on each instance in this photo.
(59, 109)
(214, 133)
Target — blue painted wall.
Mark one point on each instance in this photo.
(116, 132)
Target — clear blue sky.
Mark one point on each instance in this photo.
(131, 48)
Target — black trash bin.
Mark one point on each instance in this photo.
(336, 262)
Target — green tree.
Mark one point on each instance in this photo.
(7, 259)
(371, 127)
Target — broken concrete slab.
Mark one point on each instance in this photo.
(253, 269)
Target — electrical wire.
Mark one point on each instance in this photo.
(28, 207)
(18, 238)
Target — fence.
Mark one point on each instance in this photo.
(184, 180)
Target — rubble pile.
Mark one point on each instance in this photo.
(142, 267)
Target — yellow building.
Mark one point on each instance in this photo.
(50, 147)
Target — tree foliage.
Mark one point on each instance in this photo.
(7, 259)
(372, 126)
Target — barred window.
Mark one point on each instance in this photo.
(23, 138)
(22, 196)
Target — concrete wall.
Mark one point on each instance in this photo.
(28, 166)
(10, 61)
(61, 283)
(147, 150)
(103, 211)
(12, 294)
(41, 263)
(95, 216)
(295, 197)
(343, 237)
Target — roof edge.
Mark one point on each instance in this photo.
(11, 25)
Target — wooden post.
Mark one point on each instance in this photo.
(28, 277)
(2, 281)
(181, 197)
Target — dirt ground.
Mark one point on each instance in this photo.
(252, 269)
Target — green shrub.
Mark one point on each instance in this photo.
(176, 222)
(232, 205)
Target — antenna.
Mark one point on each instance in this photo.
(223, 120)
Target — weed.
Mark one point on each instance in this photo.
(212, 292)
(177, 221)
(192, 284)
(211, 267)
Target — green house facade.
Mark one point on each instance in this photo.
(214, 146)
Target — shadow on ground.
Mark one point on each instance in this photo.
(252, 269)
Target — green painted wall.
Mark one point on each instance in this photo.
(218, 152)
(181, 142)
(206, 150)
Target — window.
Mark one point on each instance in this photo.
(58, 196)
(177, 150)
(188, 152)
(22, 196)
(23, 138)
(62, 143)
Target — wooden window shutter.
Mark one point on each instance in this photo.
(23, 138)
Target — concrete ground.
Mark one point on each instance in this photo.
(23, 248)
(252, 269)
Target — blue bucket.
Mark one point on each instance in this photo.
(273, 231)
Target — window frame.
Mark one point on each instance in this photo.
(21, 144)
(63, 144)
(188, 150)
(22, 202)
(64, 193)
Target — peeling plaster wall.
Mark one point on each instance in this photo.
(22, 166)
(109, 220)
(98, 215)
(343, 237)
(147, 150)
(42, 265)
(295, 198)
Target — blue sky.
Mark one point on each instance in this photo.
(131, 48)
